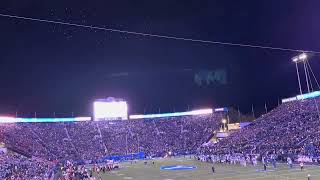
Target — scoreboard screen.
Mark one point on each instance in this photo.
(110, 110)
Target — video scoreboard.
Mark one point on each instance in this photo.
(110, 109)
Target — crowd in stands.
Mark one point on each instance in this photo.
(18, 167)
(292, 129)
(95, 139)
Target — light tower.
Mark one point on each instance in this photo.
(302, 58)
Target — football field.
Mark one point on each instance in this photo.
(190, 169)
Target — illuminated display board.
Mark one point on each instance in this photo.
(104, 110)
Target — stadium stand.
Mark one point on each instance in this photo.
(291, 129)
(92, 140)
(18, 167)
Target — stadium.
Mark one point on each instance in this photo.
(153, 90)
(180, 145)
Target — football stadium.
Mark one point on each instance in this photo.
(197, 144)
(155, 90)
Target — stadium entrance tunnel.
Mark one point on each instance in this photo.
(177, 167)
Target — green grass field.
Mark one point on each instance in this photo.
(139, 171)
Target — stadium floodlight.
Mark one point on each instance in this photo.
(295, 59)
(303, 56)
(300, 58)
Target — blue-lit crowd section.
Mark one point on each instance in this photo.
(302, 97)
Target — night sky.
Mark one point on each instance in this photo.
(49, 67)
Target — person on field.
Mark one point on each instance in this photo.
(273, 160)
(289, 162)
(264, 162)
(254, 161)
(308, 177)
(301, 165)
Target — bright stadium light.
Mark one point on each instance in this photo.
(295, 59)
(7, 119)
(187, 113)
(82, 118)
(300, 58)
(201, 111)
(303, 56)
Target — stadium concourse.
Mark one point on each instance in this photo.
(288, 132)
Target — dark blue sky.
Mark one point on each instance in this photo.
(48, 67)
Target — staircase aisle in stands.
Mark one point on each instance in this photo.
(69, 138)
(101, 139)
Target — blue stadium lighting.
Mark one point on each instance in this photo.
(302, 97)
(38, 120)
(221, 110)
(188, 113)
(289, 99)
(5, 119)
(308, 95)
